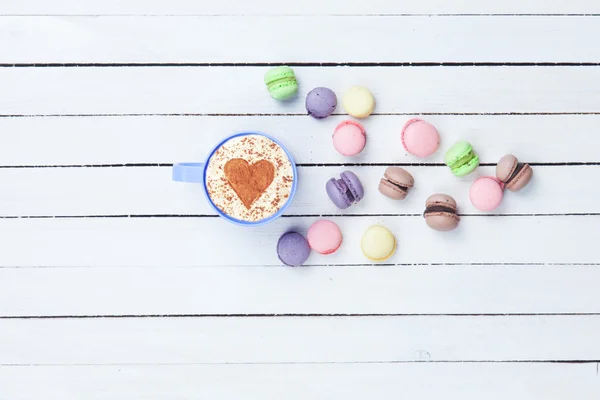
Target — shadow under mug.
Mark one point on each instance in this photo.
(192, 172)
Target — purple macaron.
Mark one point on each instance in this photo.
(320, 102)
(345, 191)
(293, 249)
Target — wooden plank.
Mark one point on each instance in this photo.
(174, 242)
(469, 381)
(307, 7)
(159, 139)
(416, 39)
(297, 340)
(220, 290)
(235, 90)
(150, 191)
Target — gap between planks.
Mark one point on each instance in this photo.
(511, 113)
(307, 64)
(303, 165)
(313, 363)
(225, 15)
(141, 216)
(291, 315)
(346, 265)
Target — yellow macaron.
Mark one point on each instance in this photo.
(378, 243)
(359, 102)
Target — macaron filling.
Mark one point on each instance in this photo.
(345, 188)
(279, 75)
(399, 186)
(466, 159)
(339, 188)
(351, 191)
(439, 209)
(282, 82)
(516, 172)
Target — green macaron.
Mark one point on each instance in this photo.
(461, 159)
(281, 83)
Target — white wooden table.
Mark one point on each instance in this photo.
(116, 283)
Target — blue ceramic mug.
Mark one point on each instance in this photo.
(196, 173)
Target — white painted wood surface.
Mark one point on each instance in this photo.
(495, 381)
(235, 90)
(116, 140)
(307, 7)
(259, 290)
(116, 283)
(380, 39)
(285, 340)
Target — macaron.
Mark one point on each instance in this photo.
(378, 243)
(461, 159)
(359, 102)
(324, 236)
(441, 212)
(293, 249)
(281, 83)
(420, 138)
(395, 183)
(512, 173)
(320, 102)
(486, 193)
(349, 138)
(345, 191)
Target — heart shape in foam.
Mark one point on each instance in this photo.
(249, 181)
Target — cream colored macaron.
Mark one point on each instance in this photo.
(359, 102)
(378, 243)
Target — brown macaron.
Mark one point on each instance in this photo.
(514, 174)
(440, 212)
(395, 183)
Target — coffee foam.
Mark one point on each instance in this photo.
(251, 148)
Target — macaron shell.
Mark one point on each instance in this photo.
(284, 90)
(324, 236)
(391, 191)
(440, 199)
(420, 138)
(506, 166)
(337, 192)
(277, 73)
(521, 180)
(320, 102)
(443, 222)
(456, 152)
(486, 193)
(378, 243)
(353, 184)
(349, 138)
(293, 249)
(399, 176)
(359, 102)
(466, 169)
(281, 83)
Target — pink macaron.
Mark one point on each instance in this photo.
(420, 138)
(324, 236)
(486, 193)
(349, 138)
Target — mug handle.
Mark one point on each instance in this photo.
(188, 172)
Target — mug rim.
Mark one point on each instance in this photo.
(270, 218)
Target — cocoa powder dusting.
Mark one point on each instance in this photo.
(249, 178)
